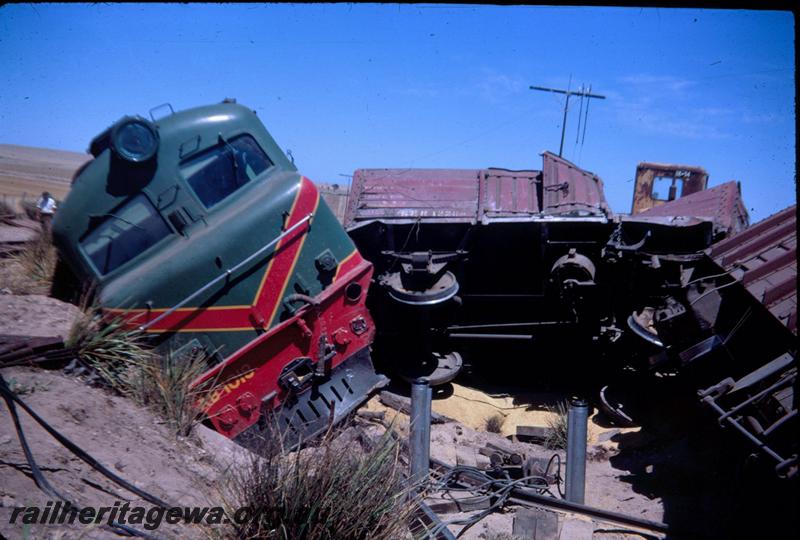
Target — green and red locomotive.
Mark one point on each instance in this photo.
(196, 228)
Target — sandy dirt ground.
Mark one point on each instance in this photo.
(135, 444)
(124, 437)
(36, 315)
(17, 235)
(128, 439)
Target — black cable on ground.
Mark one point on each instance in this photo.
(500, 489)
(555, 457)
(78, 451)
(41, 482)
(531, 495)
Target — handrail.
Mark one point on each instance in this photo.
(226, 274)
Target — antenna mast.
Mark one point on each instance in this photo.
(582, 93)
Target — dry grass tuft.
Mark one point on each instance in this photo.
(30, 271)
(162, 383)
(109, 348)
(30, 209)
(14, 280)
(557, 438)
(494, 424)
(123, 361)
(328, 490)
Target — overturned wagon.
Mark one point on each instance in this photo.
(532, 257)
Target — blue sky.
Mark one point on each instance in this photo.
(348, 86)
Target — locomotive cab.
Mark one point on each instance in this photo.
(197, 229)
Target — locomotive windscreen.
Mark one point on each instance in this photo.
(124, 234)
(220, 171)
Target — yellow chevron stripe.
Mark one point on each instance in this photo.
(272, 259)
(291, 269)
(341, 264)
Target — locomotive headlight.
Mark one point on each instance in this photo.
(134, 139)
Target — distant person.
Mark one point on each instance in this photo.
(47, 207)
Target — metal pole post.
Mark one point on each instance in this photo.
(420, 443)
(564, 125)
(577, 418)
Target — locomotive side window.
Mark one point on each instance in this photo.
(217, 173)
(124, 234)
